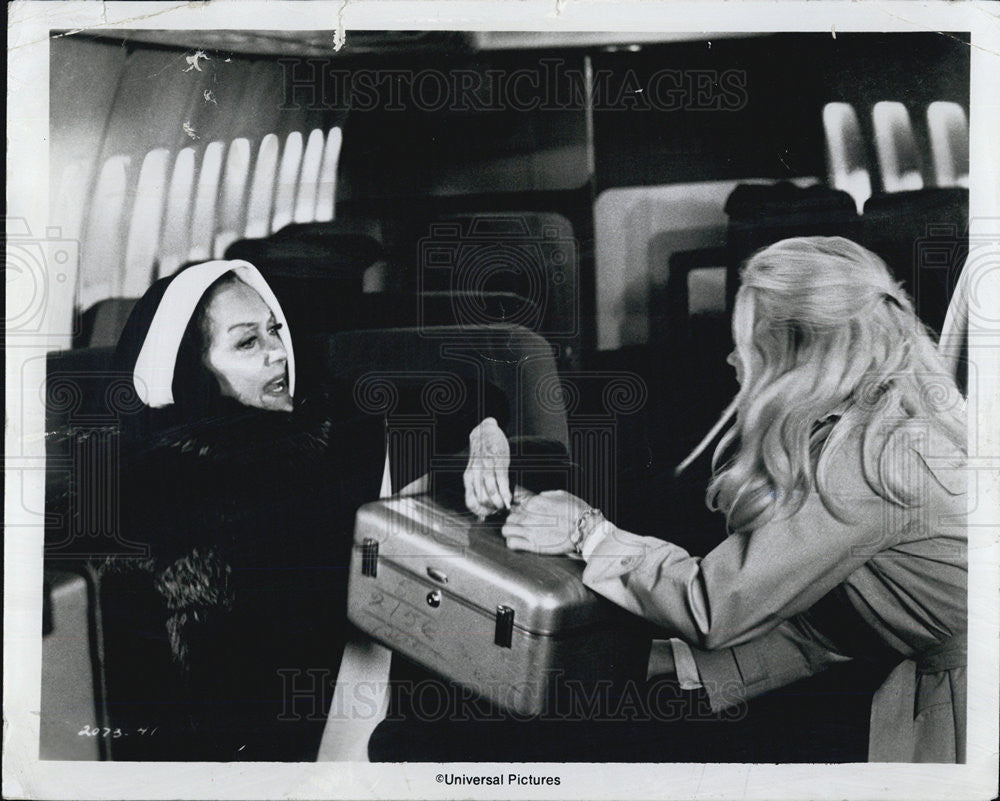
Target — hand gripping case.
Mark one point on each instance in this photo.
(519, 629)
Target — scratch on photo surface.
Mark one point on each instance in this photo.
(93, 27)
(942, 33)
(701, 778)
(192, 60)
(983, 10)
(340, 35)
(170, 64)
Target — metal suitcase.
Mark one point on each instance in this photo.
(519, 629)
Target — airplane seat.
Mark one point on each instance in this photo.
(680, 302)
(78, 386)
(469, 270)
(71, 709)
(310, 266)
(923, 238)
(90, 655)
(102, 324)
(700, 382)
(84, 401)
(512, 358)
(399, 309)
(85, 404)
(88, 658)
(534, 255)
(355, 233)
(762, 214)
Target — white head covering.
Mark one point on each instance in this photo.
(154, 369)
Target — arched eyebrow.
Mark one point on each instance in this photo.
(271, 320)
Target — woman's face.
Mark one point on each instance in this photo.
(244, 351)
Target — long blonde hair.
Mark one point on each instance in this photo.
(828, 344)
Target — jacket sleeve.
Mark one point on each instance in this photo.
(745, 586)
(754, 580)
(790, 651)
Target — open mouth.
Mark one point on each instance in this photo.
(276, 386)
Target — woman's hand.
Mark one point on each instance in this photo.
(543, 523)
(486, 477)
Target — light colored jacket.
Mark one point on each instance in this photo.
(904, 571)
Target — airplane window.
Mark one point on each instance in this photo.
(262, 188)
(173, 250)
(845, 152)
(144, 228)
(949, 134)
(288, 176)
(327, 186)
(898, 156)
(305, 201)
(102, 255)
(203, 221)
(234, 184)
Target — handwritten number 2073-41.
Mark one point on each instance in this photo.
(114, 734)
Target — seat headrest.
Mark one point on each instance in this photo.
(752, 200)
(364, 227)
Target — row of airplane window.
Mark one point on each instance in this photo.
(900, 162)
(138, 229)
(183, 211)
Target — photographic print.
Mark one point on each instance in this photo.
(475, 400)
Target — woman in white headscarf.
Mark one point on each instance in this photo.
(243, 488)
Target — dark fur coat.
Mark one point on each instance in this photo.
(227, 633)
(246, 521)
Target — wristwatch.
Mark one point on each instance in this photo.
(583, 529)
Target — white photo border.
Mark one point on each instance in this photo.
(25, 776)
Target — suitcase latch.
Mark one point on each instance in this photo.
(369, 557)
(504, 630)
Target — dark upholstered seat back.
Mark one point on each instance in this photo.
(762, 215)
(923, 237)
(519, 362)
(87, 402)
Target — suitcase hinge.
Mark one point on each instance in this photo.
(504, 631)
(369, 557)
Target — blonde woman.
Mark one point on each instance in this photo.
(842, 482)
